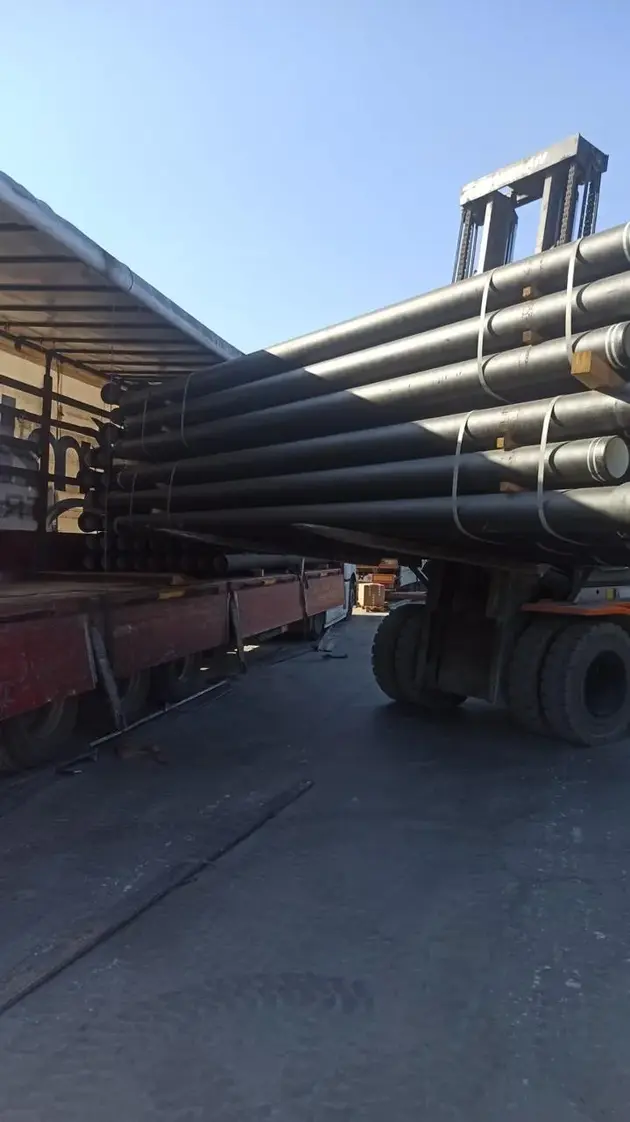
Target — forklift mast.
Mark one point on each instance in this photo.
(565, 178)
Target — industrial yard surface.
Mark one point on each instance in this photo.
(438, 929)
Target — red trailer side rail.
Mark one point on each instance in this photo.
(45, 647)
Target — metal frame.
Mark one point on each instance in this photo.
(45, 473)
(554, 177)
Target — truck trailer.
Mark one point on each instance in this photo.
(140, 631)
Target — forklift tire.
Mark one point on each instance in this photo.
(175, 681)
(585, 684)
(406, 669)
(523, 686)
(384, 650)
(34, 739)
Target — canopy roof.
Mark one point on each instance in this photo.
(59, 291)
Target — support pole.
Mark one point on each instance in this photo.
(41, 502)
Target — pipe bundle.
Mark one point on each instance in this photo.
(488, 419)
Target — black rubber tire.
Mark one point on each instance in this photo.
(577, 711)
(384, 650)
(177, 680)
(7, 766)
(405, 669)
(315, 626)
(35, 739)
(523, 693)
(352, 598)
(134, 694)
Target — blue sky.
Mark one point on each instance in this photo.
(276, 165)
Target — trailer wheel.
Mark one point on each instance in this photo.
(523, 687)
(352, 597)
(314, 627)
(34, 739)
(177, 680)
(7, 766)
(585, 683)
(406, 669)
(384, 650)
(134, 693)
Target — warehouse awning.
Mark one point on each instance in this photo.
(60, 292)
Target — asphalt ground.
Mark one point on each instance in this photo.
(316, 906)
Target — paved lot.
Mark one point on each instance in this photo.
(439, 929)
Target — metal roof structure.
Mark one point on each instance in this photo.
(61, 293)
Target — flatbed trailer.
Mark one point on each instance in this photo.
(66, 635)
(72, 623)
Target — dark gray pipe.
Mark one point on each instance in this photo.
(515, 553)
(600, 255)
(302, 542)
(576, 415)
(596, 304)
(518, 375)
(245, 562)
(411, 552)
(591, 512)
(597, 460)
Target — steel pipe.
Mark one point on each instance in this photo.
(596, 304)
(592, 512)
(516, 375)
(576, 415)
(246, 562)
(599, 255)
(596, 460)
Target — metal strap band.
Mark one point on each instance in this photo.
(568, 312)
(183, 409)
(170, 490)
(132, 492)
(481, 374)
(108, 483)
(454, 495)
(144, 417)
(540, 479)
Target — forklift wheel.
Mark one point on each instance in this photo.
(384, 650)
(409, 673)
(585, 683)
(524, 673)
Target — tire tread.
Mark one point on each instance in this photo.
(384, 650)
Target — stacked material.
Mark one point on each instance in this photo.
(455, 424)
